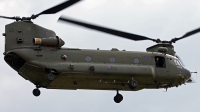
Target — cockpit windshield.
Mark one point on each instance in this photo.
(179, 61)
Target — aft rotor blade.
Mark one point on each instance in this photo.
(106, 30)
(8, 17)
(186, 35)
(57, 8)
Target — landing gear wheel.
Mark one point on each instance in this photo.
(50, 76)
(118, 98)
(36, 92)
(133, 84)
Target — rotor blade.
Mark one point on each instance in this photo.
(8, 17)
(57, 8)
(106, 30)
(187, 35)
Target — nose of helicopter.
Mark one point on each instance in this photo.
(187, 73)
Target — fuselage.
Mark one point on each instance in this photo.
(112, 69)
(87, 69)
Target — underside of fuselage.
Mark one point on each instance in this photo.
(78, 80)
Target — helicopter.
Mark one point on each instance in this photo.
(36, 53)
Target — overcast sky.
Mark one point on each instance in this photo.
(164, 19)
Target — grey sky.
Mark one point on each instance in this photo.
(164, 19)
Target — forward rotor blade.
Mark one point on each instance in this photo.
(191, 80)
(186, 35)
(57, 8)
(106, 30)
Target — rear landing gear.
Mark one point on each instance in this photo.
(118, 98)
(36, 92)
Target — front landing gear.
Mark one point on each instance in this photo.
(118, 98)
(36, 92)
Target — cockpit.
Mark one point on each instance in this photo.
(178, 62)
(181, 62)
(180, 66)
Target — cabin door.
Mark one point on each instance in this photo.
(160, 66)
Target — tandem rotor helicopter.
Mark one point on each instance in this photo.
(36, 53)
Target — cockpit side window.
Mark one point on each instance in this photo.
(160, 61)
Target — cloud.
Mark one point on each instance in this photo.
(151, 2)
(90, 4)
(2, 7)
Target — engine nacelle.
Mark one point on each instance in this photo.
(49, 42)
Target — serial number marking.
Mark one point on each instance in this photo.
(11, 30)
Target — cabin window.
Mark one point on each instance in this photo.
(112, 59)
(136, 61)
(160, 61)
(88, 58)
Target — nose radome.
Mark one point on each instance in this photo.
(188, 73)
